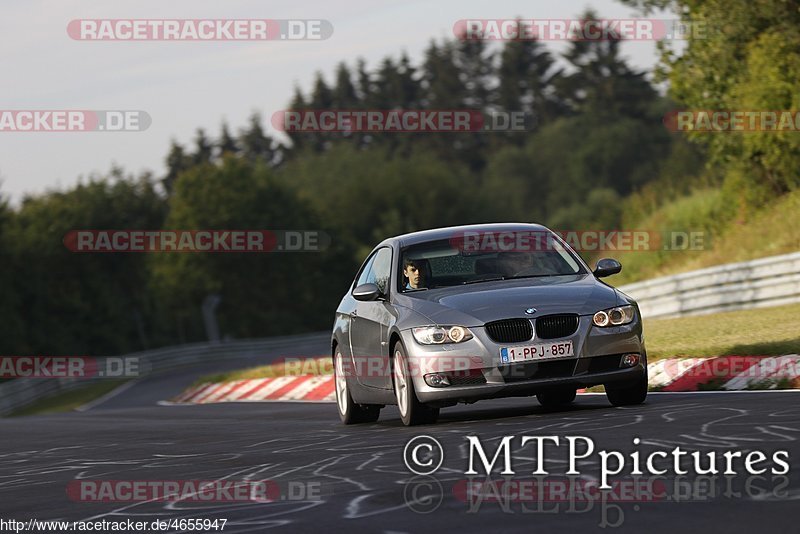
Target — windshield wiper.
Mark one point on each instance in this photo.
(534, 276)
(483, 280)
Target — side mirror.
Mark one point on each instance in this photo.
(366, 292)
(607, 267)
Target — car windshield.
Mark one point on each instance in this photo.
(454, 262)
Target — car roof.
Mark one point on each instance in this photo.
(436, 234)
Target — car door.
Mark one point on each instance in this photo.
(369, 324)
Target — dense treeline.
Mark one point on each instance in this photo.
(596, 137)
(745, 57)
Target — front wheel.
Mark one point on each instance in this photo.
(628, 395)
(349, 412)
(412, 412)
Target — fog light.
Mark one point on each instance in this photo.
(629, 360)
(435, 380)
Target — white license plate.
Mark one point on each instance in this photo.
(540, 351)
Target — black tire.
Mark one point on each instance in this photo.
(629, 394)
(556, 397)
(350, 412)
(412, 411)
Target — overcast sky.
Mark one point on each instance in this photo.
(186, 85)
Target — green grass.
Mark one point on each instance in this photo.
(764, 331)
(68, 401)
(771, 230)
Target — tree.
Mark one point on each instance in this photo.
(203, 148)
(601, 81)
(256, 145)
(740, 55)
(527, 74)
(364, 85)
(11, 305)
(177, 162)
(344, 92)
(79, 303)
(299, 140)
(226, 144)
(441, 80)
(365, 195)
(263, 294)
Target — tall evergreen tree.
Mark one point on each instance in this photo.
(226, 143)
(601, 80)
(344, 92)
(364, 84)
(203, 148)
(441, 83)
(526, 76)
(177, 162)
(256, 145)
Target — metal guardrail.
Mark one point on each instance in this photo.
(763, 282)
(20, 392)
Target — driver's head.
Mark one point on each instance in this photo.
(412, 269)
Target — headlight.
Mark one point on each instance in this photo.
(613, 317)
(436, 335)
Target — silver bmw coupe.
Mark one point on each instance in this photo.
(460, 314)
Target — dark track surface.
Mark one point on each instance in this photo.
(154, 388)
(360, 473)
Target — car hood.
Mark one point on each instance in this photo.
(476, 304)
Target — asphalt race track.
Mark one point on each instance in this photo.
(355, 478)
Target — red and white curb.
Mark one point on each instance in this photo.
(732, 373)
(729, 373)
(285, 388)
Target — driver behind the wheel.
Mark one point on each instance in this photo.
(512, 263)
(413, 273)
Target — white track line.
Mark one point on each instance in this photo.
(110, 395)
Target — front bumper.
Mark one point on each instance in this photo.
(598, 352)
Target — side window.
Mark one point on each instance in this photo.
(363, 276)
(381, 269)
